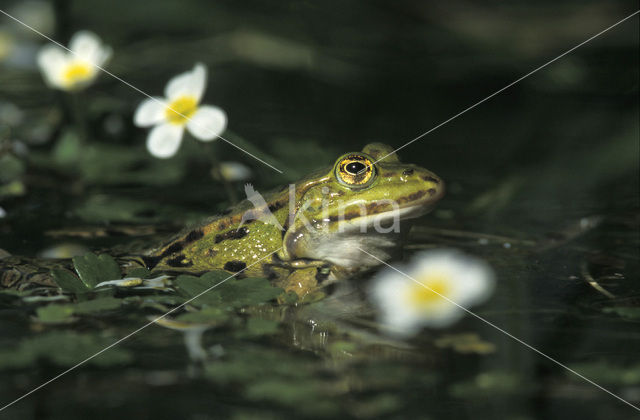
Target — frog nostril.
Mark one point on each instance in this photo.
(407, 172)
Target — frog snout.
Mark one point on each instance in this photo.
(432, 183)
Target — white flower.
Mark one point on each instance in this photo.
(234, 171)
(407, 303)
(178, 110)
(3, 213)
(77, 69)
(15, 51)
(34, 14)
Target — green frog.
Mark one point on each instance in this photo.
(313, 230)
(308, 233)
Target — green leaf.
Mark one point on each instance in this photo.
(259, 326)
(248, 291)
(67, 148)
(93, 269)
(141, 272)
(96, 305)
(208, 315)
(67, 281)
(10, 168)
(227, 291)
(191, 286)
(54, 313)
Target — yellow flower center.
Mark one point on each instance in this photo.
(430, 291)
(77, 73)
(181, 109)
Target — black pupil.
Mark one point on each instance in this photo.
(355, 167)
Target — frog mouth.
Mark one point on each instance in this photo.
(385, 215)
(404, 213)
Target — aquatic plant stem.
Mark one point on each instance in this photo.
(78, 116)
(216, 172)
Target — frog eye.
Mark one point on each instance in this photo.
(355, 171)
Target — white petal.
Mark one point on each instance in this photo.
(191, 83)
(164, 140)
(87, 46)
(52, 61)
(234, 171)
(150, 112)
(207, 123)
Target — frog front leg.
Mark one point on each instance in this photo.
(306, 278)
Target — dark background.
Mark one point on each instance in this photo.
(303, 82)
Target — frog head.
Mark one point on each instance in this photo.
(358, 205)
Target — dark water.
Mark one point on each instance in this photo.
(542, 180)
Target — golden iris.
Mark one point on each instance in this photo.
(355, 170)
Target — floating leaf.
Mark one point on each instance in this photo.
(54, 313)
(248, 291)
(96, 305)
(64, 348)
(67, 149)
(259, 326)
(141, 272)
(10, 168)
(192, 286)
(226, 290)
(67, 281)
(94, 269)
(208, 315)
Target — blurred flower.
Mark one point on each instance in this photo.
(35, 14)
(3, 213)
(19, 44)
(15, 51)
(6, 44)
(234, 171)
(180, 109)
(64, 251)
(157, 283)
(408, 303)
(77, 69)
